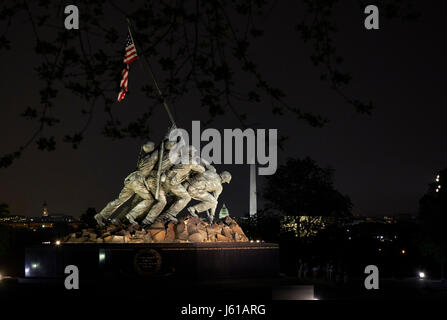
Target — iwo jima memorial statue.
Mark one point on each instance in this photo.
(164, 183)
(163, 220)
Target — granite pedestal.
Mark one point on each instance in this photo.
(193, 260)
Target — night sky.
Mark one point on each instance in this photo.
(383, 161)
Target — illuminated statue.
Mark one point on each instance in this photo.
(134, 183)
(207, 187)
(156, 202)
(173, 183)
(172, 180)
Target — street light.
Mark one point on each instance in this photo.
(437, 180)
(421, 275)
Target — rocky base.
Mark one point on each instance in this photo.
(186, 230)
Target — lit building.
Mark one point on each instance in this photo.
(44, 210)
(223, 212)
(389, 219)
(15, 221)
(303, 226)
(44, 221)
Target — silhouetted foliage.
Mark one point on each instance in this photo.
(4, 210)
(87, 217)
(302, 188)
(262, 226)
(201, 47)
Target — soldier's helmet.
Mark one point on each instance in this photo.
(169, 144)
(225, 176)
(148, 147)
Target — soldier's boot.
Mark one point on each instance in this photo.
(131, 219)
(192, 212)
(147, 222)
(138, 210)
(99, 219)
(171, 218)
(210, 216)
(115, 221)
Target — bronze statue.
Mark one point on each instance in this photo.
(159, 181)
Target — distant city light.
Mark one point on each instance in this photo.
(58, 242)
(26, 271)
(34, 265)
(421, 275)
(403, 251)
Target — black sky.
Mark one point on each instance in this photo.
(383, 161)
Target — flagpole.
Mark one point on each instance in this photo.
(151, 73)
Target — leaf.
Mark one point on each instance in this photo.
(75, 139)
(49, 121)
(29, 113)
(48, 144)
(8, 159)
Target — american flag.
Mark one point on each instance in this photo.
(129, 57)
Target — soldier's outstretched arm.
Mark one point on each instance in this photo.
(207, 165)
(197, 168)
(217, 192)
(148, 164)
(197, 185)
